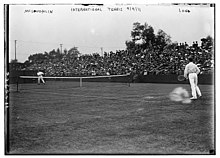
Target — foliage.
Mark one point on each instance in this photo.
(74, 52)
(207, 43)
(143, 36)
(14, 61)
(54, 54)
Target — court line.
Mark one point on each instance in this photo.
(45, 87)
(108, 76)
(68, 89)
(142, 99)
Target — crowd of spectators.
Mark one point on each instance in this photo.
(171, 60)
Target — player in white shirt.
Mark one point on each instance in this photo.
(191, 71)
(40, 77)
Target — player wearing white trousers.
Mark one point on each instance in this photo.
(40, 77)
(193, 80)
(191, 71)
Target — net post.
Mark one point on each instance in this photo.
(17, 82)
(129, 81)
(80, 82)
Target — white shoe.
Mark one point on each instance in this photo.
(193, 98)
(200, 96)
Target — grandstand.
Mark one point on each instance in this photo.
(171, 60)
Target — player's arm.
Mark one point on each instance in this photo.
(197, 70)
(186, 72)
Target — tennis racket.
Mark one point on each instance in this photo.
(181, 78)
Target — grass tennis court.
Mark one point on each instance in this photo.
(109, 118)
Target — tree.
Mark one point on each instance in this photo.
(52, 54)
(162, 40)
(141, 35)
(130, 44)
(136, 32)
(73, 52)
(58, 51)
(171, 46)
(14, 61)
(148, 36)
(36, 58)
(27, 63)
(207, 43)
(55, 54)
(65, 51)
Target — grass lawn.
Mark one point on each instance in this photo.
(108, 118)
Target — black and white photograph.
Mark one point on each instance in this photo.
(109, 79)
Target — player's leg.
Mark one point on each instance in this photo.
(38, 80)
(192, 84)
(197, 87)
(41, 77)
(130, 79)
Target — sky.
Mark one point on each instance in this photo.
(105, 29)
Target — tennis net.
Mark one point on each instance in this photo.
(28, 82)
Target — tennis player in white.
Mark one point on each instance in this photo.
(40, 77)
(191, 71)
